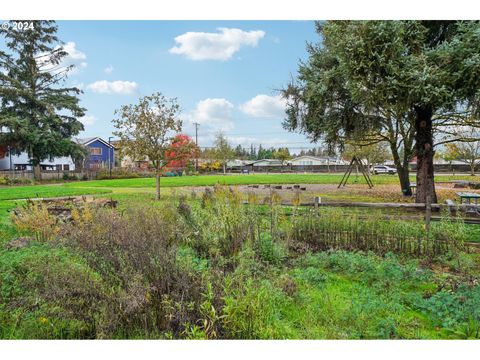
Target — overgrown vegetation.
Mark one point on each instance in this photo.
(330, 229)
(210, 267)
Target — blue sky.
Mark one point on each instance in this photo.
(224, 73)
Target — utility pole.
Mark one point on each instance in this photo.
(110, 155)
(196, 143)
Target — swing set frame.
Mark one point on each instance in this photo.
(357, 162)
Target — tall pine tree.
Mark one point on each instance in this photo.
(38, 114)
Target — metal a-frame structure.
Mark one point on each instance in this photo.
(356, 162)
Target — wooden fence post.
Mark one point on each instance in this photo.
(428, 215)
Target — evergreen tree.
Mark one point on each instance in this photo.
(253, 152)
(402, 81)
(39, 115)
(260, 152)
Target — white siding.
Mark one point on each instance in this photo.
(23, 159)
(307, 161)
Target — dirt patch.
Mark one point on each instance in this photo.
(327, 192)
(331, 192)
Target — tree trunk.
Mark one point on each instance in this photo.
(472, 168)
(37, 172)
(224, 169)
(425, 153)
(402, 170)
(157, 181)
(404, 176)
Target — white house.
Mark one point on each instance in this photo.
(307, 160)
(238, 163)
(11, 161)
(267, 162)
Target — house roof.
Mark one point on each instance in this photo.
(268, 160)
(315, 158)
(308, 157)
(89, 140)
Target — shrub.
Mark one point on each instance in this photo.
(221, 225)
(35, 218)
(6, 180)
(67, 176)
(117, 173)
(136, 252)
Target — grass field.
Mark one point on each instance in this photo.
(207, 180)
(35, 191)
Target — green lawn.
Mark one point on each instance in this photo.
(34, 191)
(207, 180)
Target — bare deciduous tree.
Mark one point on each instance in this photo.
(146, 130)
(466, 148)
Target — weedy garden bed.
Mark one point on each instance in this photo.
(211, 267)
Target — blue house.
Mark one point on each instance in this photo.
(102, 154)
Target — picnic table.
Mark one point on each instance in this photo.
(468, 196)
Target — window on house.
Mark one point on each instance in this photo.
(58, 167)
(96, 151)
(66, 167)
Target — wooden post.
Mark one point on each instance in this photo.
(428, 212)
(428, 215)
(317, 201)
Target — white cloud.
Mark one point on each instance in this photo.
(73, 52)
(215, 46)
(108, 69)
(213, 114)
(113, 87)
(88, 120)
(264, 106)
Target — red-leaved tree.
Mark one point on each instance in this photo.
(182, 150)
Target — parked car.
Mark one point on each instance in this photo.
(382, 169)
